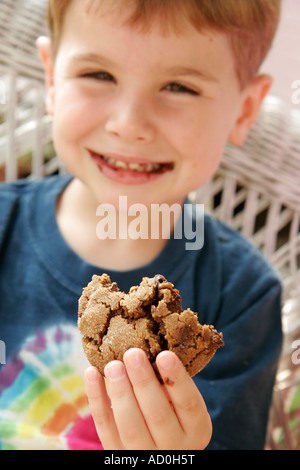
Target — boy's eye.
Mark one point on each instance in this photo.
(102, 76)
(177, 88)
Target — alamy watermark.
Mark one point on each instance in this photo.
(2, 353)
(159, 221)
(296, 353)
(296, 93)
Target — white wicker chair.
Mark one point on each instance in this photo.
(256, 189)
(25, 130)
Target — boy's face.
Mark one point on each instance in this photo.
(165, 104)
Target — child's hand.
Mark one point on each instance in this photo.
(137, 412)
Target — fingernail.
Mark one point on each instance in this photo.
(114, 371)
(92, 375)
(167, 361)
(134, 358)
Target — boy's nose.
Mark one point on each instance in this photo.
(130, 122)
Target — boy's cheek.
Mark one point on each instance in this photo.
(73, 118)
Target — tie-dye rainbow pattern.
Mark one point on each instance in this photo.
(43, 405)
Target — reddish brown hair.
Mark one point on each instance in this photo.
(249, 24)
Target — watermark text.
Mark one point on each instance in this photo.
(159, 221)
(296, 93)
(296, 353)
(2, 353)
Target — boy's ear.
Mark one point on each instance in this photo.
(252, 98)
(44, 47)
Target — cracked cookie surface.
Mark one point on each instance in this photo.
(149, 316)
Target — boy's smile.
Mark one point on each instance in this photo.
(142, 114)
(129, 170)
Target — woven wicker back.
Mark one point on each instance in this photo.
(25, 130)
(21, 23)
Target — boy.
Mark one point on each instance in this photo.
(144, 96)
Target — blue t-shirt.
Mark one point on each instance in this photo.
(42, 399)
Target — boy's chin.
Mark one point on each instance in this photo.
(133, 203)
(123, 197)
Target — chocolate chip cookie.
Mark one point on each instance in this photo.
(149, 316)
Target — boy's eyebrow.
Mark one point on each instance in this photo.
(90, 57)
(177, 70)
(204, 75)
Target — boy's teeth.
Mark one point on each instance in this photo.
(149, 167)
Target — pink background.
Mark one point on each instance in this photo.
(283, 62)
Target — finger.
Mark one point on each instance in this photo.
(130, 422)
(187, 400)
(159, 415)
(100, 407)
